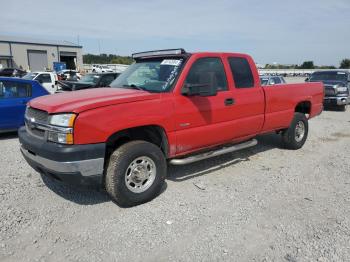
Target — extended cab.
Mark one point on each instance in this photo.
(169, 106)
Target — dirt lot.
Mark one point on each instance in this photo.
(261, 204)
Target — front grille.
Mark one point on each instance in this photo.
(37, 132)
(38, 115)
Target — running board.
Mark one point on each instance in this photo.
(221, 151)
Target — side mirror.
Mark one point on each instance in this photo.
(199, 90)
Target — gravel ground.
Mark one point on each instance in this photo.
(260, 204)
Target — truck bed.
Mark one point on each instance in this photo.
(281, 101)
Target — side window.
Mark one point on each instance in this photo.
(106, 80)
(44, 78)
(11, 89)
(277, 80)
(209, 71)
(24, 90)
(241, 71)
(2, 90)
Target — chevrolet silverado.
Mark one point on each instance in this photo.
(170, 106)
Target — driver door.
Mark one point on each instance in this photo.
(203, 121)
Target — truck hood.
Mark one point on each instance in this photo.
(82, 100)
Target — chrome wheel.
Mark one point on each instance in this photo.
(140, 174)
(299, 131)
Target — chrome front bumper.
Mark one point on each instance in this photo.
(337, 100)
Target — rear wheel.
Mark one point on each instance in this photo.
(295, 136)
(135, 174)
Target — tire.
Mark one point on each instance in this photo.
(293, 137)
(342, 108)
(135, 173)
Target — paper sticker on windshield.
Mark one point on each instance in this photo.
(172, 62)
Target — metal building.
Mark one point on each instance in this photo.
(38, 55)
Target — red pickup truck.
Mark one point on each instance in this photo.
(169, 106)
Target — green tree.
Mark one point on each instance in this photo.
(307, 65)
(345, 64)
(107, 59)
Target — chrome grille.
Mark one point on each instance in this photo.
(38, 115)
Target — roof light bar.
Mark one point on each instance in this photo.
(178, 51)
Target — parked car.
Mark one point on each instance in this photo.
(267, 80)
(12, 72)
(101, 69)
(88, 81)
(337, 86)
(169, 106)
(14, 95)
(47, 79)
(69, 75)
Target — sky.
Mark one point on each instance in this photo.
(286, 32)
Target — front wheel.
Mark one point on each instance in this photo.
(342, 108)
(135, 174)
(295, 136)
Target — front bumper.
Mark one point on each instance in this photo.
(336, 100)
(73, 164)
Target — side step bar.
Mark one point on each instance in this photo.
(221, 151)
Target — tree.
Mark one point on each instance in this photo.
(345, 64)
(107, 59)
(307, 65)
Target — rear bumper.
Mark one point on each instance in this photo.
(73, 164)
(336, 101)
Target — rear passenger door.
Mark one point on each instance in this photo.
(14, 96)
(247, 113)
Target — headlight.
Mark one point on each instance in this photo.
(62, 128)
(65, 120)
(342, 89)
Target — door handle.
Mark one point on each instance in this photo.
(229, 101)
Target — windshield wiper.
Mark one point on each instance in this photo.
(135, 87)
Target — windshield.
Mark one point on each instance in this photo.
(90, 78)
(30, 76)
(153, 75)
(328, 76)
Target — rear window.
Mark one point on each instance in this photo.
(12, 89)
(241, 71)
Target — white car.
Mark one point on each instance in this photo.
(101, 69)
(47, 79)
(68, 74)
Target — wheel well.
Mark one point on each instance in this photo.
(303, 107)
(153, 134)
